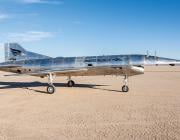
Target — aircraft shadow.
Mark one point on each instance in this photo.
(30, 85)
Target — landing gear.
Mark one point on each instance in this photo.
(51, 88)
(125, 88)
(70, 83)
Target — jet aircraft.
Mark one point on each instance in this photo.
(22, 62)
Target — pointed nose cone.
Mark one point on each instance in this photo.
(167, 61)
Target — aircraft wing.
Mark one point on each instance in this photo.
(55, 71)
(92, 71)
(8, 66)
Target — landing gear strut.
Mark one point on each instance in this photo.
(51, 88)
(70, 83)
(125, 88)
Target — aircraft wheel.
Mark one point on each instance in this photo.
(51, 89)
(125, 88)
(70, 83)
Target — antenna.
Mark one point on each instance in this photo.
(155, 54)
(156, 58)
(147, 53)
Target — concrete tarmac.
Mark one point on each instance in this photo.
(95, 109)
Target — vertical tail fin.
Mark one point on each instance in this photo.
(14, 52)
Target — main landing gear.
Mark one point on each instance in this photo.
(70, 83)
(125, 88)
(51, 88)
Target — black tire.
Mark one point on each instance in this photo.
(125, 88)
(70, 83)
(51, 89)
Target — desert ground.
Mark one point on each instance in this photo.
(95, 109)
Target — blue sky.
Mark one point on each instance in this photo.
(92, 27)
